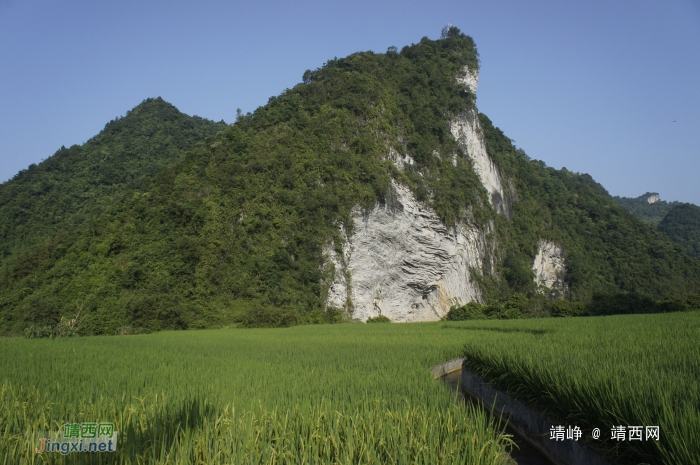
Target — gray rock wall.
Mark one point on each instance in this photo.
(466, 129)
(403, 263)
(550, 267)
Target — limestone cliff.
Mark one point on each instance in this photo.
(402, 262)
(550, 267)
(401, 160)
(467, 130)
(470, 79)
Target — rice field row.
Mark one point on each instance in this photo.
(601, 372)
(344, 394)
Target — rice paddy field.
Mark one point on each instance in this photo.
(353, 393)
(329, 394)
(602, 372)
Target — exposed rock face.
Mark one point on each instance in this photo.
(466, 128)
(337, 296)
(653, 198)
(550, 267)
(401, 261)
(404, 263)
(470, 79)
(401, 160)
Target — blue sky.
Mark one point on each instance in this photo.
(593, 86)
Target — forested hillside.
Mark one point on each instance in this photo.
(234, 230)
(682, 225)
(78, 183)
(680, 221)
(609, 250)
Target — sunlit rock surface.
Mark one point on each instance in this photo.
(470, 79)
(550, 267)
(403, 263)
(466, 128)
(401, 160)
(653, 198)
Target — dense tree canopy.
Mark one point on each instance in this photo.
(677, 220)
(77, 183)
(682, 225)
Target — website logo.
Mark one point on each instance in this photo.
(80, 437)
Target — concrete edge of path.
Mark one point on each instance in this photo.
(446, 368)
(533, 426)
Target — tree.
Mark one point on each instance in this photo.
(450, 31)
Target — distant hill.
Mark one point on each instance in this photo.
(682, 224)
(648, 207)
(78, 183)
(680, 221)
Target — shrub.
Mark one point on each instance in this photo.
(671, 304)
(515, 307)
(270, 317)
(64, 328)
(127, 330)
(561, 308)
(331, 315)
(470, 311)
(379, 319)
(621, 304)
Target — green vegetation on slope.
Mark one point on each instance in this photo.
(680, 221)
(650, 212)
(237, 226)
(608, 250)
(234, 230)
(538, 306)
(624, 370)
(682, 225)
(78, 183)
(341, 394)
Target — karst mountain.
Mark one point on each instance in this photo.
(373, 187)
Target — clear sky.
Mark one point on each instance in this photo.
(593, 86)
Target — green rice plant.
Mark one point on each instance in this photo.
(601, 372)
(327, 394)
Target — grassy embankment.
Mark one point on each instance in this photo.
(625, 370)
(315, 394)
